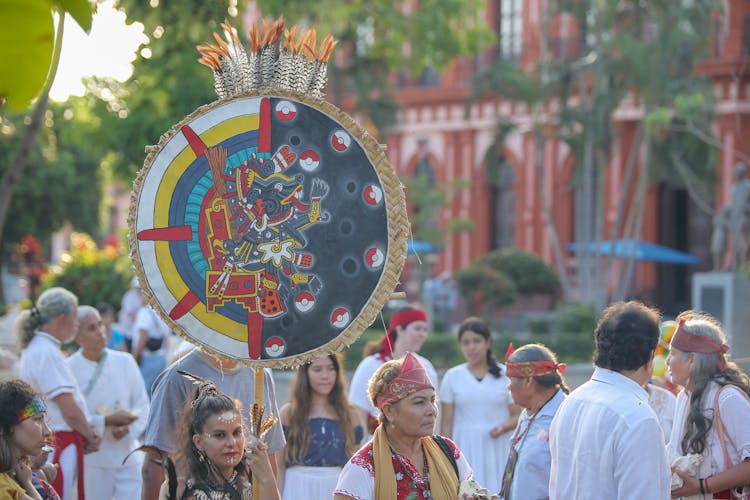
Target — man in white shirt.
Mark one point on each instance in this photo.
(112, 385)
(150, 335)
(129, 306)
(605, 440)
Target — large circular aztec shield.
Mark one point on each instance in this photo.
(268, 228)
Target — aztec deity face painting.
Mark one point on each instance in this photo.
(267, 230)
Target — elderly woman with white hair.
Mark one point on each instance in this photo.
(713, 410)
(113, 387)
(40, 331)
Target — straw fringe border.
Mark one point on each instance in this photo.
(397, 220)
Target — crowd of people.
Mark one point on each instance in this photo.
(115, 422)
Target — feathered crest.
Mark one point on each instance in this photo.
(288, 59)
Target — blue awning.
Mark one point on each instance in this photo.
(639, 250)
(422, 247)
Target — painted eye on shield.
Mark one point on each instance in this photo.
(340, 141)
(340, 317)
(374, 258)
(275, 347)
(372, 195)
(286, 111)
(309, 160)
(304, 301)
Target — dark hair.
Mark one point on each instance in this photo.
(626, 336)
(705, 369)
(298, 431)
(104, 308)
(208, 401)
(476, 325)
(540, 352)
(15, 395)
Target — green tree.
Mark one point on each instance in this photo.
(649, 48)
(167, 83)
(380, 38)
(30, 46)
(63, 178)
(376, 39)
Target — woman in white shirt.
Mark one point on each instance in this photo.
(713, 410)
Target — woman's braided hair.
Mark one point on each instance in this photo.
(207, 402)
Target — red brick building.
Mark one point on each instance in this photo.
(436, 134)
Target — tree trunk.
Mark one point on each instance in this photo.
(18, 166)
(551, 228)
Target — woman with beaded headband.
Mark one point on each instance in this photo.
(322, 430)
(23, 433)
(403, 460)
(407, 332)
(536, 384)
(476, 409)
(41, 331)
(218, 463)
(713, 411)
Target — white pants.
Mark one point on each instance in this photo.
(121, 483)
(69, 467)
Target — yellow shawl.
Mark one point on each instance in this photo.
(443, 480)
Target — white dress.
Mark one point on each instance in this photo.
(478, 406)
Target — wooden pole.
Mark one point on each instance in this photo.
(259, 380)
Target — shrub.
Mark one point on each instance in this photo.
(94, 275)
(538, 326)
(577, 318)
(481, 284)
(530, 273)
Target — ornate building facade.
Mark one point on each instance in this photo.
(441, 133)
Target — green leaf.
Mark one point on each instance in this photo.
(27, 36)
(80, 10)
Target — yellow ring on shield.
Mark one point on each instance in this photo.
(181, 162)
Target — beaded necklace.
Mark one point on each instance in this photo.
(510, 465)
(425, 471)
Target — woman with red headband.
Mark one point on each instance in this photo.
(713, 411)
(407, 331)
(476, 409)
(536, 384)
(403, 460)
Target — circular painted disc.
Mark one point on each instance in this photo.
(269, 229)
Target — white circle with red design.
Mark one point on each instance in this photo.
(373, 195)
(275, 347)
(341, 140)
(309, 160)
(374, 257)
(304, 301)
(286, 111)
(340, 317)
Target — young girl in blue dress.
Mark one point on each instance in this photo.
(322, 431)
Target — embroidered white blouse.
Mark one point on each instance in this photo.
(734, 409)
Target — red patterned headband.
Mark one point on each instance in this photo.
(530, 368)
(684, 341)
(412, 377)
(399, 319)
